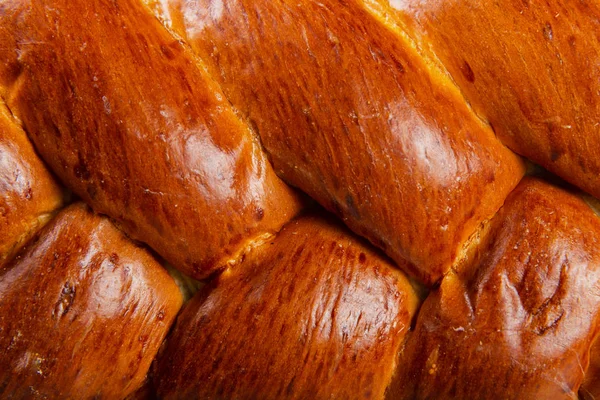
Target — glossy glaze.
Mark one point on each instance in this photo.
(28, 193)
(519, 321)
(352, 115)
(82, 312)
(529, 67)
(314, 314)
(128, 118)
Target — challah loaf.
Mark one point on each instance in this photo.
(29, 194)
(82, 312)
(530, 68)
(147, 138)
(354, 116)
(178, 122)
(315, 313)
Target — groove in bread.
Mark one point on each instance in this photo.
(351, 113)
(126, 115)
(316, 313)
(520, 321)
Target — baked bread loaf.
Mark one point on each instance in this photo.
(349, 110)
(29, 193)
(82, 311)
(339, 312)
(178, 125)
(148, 139)
(527, 303)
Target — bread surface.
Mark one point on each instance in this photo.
(82, 311)
(29, 194)
(351, 114)
(316, 313)
(129, 119)
(147, 144)
(518, 322)
(529, 68)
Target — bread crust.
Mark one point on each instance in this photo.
(529, 68)
(519, 321)
(29, 194)
(129, 119)
(354, 116)
(83, 311)
(315, 314)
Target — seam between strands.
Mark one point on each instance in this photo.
(429, 58)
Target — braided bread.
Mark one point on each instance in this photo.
(265, 199)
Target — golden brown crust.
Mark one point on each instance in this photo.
(365, 105)
(82, 312)
(519, 322)
(352, 115)
(528, 67)
(28, 193)
(315, 314)
(129, 119)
